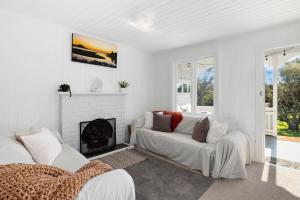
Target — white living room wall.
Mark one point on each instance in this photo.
(239, 73)
(35, 58)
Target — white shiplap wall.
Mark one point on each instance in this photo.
(35, 58)
(240, 76)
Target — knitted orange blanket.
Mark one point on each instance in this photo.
(26, 181)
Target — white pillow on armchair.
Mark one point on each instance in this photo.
(43, 146)
(34, 130)
(216, 131)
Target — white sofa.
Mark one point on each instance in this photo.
(113, 185)
(224, 159)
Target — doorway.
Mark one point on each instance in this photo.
(282, 105)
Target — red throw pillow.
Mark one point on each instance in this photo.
(175, 120)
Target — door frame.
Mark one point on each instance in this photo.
(260, 96)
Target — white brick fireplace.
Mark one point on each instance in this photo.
(87, 106)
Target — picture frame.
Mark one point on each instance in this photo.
(93, 51)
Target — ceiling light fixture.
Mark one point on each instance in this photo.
(144, 22)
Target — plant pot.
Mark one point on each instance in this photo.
(124, 90)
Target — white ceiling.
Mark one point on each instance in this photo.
(161, 24)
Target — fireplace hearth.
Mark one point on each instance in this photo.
(97, 136)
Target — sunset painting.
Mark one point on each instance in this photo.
(93, 51)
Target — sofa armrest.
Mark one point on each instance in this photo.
(242, 141)
(231, 155)
(136, 123)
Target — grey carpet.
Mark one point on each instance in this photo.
(156, 179)
(264, 182)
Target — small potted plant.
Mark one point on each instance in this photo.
(123, 86)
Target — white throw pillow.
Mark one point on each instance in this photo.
(58, 136)
(216, 131)
(34, 130)
(187, 124)
(19, 134)
(148, 120)
(43, 146)
(232, 124)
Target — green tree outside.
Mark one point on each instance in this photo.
(205, 88)
(288, 98)
(289, 94)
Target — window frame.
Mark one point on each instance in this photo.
(193, 61)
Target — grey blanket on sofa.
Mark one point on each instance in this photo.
(225, 159)
(178, 147)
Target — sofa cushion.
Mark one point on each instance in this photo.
(176, 119)
(162, 122)
(200, 130)
(69, 159)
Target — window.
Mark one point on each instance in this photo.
(205, 84)
(195, 85)
(183, 84)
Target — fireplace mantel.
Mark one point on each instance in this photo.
(91, 93)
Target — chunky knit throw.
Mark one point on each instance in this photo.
(42, 182)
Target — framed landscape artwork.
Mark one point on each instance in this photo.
(93, 51)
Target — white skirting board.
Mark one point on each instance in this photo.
(112, 152)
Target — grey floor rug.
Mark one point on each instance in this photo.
(123, 159)
(156, 179)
